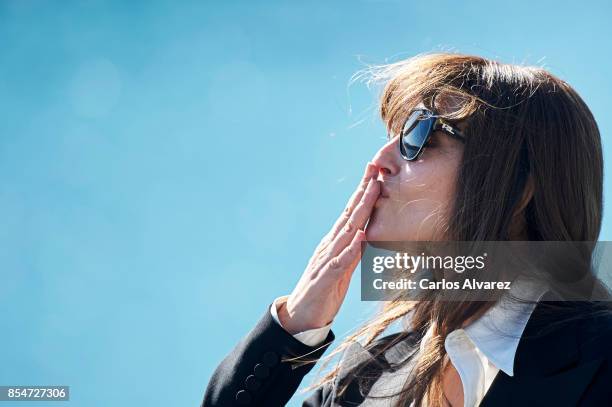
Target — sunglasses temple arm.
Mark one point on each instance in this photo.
(447, 128)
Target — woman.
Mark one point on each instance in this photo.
(478, 151)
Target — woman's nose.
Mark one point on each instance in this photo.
(388, 158)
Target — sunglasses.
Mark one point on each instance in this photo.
(418, 128)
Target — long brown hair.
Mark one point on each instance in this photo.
(523, 125)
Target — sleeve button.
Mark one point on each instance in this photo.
(242, 397)
(252, 383)
(261, 371)
(270, 359)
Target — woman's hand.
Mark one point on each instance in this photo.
(316, 299)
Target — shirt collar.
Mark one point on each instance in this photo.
(498, 332)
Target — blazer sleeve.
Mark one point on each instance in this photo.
(257, 373)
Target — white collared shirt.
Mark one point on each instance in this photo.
(477, 351)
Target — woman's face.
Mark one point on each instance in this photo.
(415, 195)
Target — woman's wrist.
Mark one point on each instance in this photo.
(294, 325)
(285, 319)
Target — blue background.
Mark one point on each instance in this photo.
(167, 168)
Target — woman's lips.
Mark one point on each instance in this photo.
(384, 193)
(379, 201)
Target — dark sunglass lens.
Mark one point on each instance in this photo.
(414, 135)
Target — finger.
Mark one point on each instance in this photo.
(354, 200)
(349, 257)
(358, 218)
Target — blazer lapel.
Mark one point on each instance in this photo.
(562, 389)
(358, 370)
(360, 367)
(548, 370)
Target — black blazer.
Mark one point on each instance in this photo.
(563, 359)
